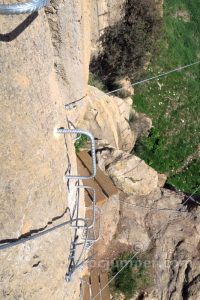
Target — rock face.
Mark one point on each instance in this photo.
(107, 119)
(34, 158)
(156, 222)
(70, 33)
(71, 41)
(139, 216)
(177, 255)
(44, 65)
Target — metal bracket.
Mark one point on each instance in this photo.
(72, 105)
(78, 131)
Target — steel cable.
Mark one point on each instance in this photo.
(32, 237)
(158, 76)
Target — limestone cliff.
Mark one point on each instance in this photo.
(43, 65)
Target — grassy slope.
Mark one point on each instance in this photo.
(175, 109)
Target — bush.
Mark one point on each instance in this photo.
(81, 142)
(126, 44)
(95, 81)
(133, 278)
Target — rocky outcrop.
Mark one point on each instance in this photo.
(107, 118)
(33, 156)
(154, 224)
(139, 214)
(177, 257)
(45, 58)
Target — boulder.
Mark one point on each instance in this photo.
(132, 175)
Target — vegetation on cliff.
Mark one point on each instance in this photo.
(126, 44)
(135, 277)
(173, 101)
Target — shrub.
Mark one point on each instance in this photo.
(134, 277)
(126, 44)
(95, 81)
(80, 143)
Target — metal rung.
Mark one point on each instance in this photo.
(77, 131)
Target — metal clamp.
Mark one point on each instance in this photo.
(78, 131)
(22, 8)
(72, 105)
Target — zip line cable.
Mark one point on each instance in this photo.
(158, 76)
(32, 237)
(127, 263)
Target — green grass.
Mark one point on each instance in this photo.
(135, 277)
(175, 108)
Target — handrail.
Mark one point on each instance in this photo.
(23, 7)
